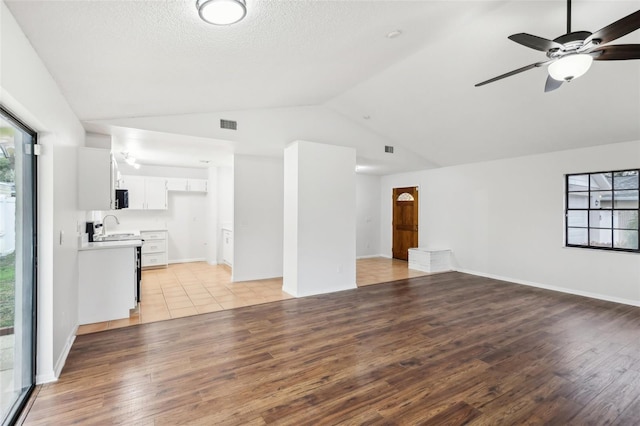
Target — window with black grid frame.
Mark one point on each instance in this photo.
(602, 210)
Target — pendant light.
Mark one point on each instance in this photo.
(221, 12)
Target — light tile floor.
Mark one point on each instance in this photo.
(185, 289)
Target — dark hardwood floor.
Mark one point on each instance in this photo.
(444, 349)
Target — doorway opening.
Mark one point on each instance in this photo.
(405, 221)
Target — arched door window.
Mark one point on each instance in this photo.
(405, 196)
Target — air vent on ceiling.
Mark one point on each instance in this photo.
(388, 148)
(229, 124)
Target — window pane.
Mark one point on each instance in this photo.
(625, 219)
(625, 239)
(627, 179)
(577, 236)
(578, 183)
(600, 219)
(577, 218)
(405, 196)
(600, 237)
(16, 266)
(626, 199)
(600, 181)
(579, 200)
(601, 199)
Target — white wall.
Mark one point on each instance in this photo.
(65, 254)
(505, 219)
(225, 205)
(367, 215)
(257, 217)
(320, 219)
(212, 226)
(163, 171)
(29, 91)
(225, 196)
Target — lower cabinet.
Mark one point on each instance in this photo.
(107, 281)
(154, 248)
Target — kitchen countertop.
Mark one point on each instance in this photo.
(101, 245)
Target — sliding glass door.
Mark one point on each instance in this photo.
(17, 265)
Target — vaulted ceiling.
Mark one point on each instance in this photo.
(159, 79)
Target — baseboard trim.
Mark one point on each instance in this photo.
(62, 359)
(554, 288)
(197, 259)
(45, 378)
(370, 256)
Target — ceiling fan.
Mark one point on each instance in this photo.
(570, 55)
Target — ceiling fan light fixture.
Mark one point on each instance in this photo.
(570, 67)
(221, 12)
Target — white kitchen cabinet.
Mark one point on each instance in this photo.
(187, 185)
(135, 186)
(97, 172)
(177, 184)
(197, 185)
(154, 248)
(107, 284)
(155, 193)
(145, 193)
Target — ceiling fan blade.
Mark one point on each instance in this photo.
(510, 73)
(617, 52)
(535, 42)
(551, 84)
(618, 29)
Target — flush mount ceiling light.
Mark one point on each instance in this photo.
(221, 12)
(570, 67)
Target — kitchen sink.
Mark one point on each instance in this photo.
(117, 237)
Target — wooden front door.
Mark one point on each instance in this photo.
(405, 221)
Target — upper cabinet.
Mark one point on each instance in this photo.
(190, 185)
(145, 193)
(97, 172)
(150, 193)
(156, 193)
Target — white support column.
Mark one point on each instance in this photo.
(319, 219)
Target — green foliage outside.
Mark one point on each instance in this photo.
(7, 157)
(7, 170)
(8, 262)
(7, 289)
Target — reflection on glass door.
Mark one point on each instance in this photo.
(17, 265)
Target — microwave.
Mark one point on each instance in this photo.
(122, 199)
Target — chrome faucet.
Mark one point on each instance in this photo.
(104, 223)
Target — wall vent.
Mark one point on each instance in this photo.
(388, 148)
(229, 124)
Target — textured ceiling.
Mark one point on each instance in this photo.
(158, 78)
